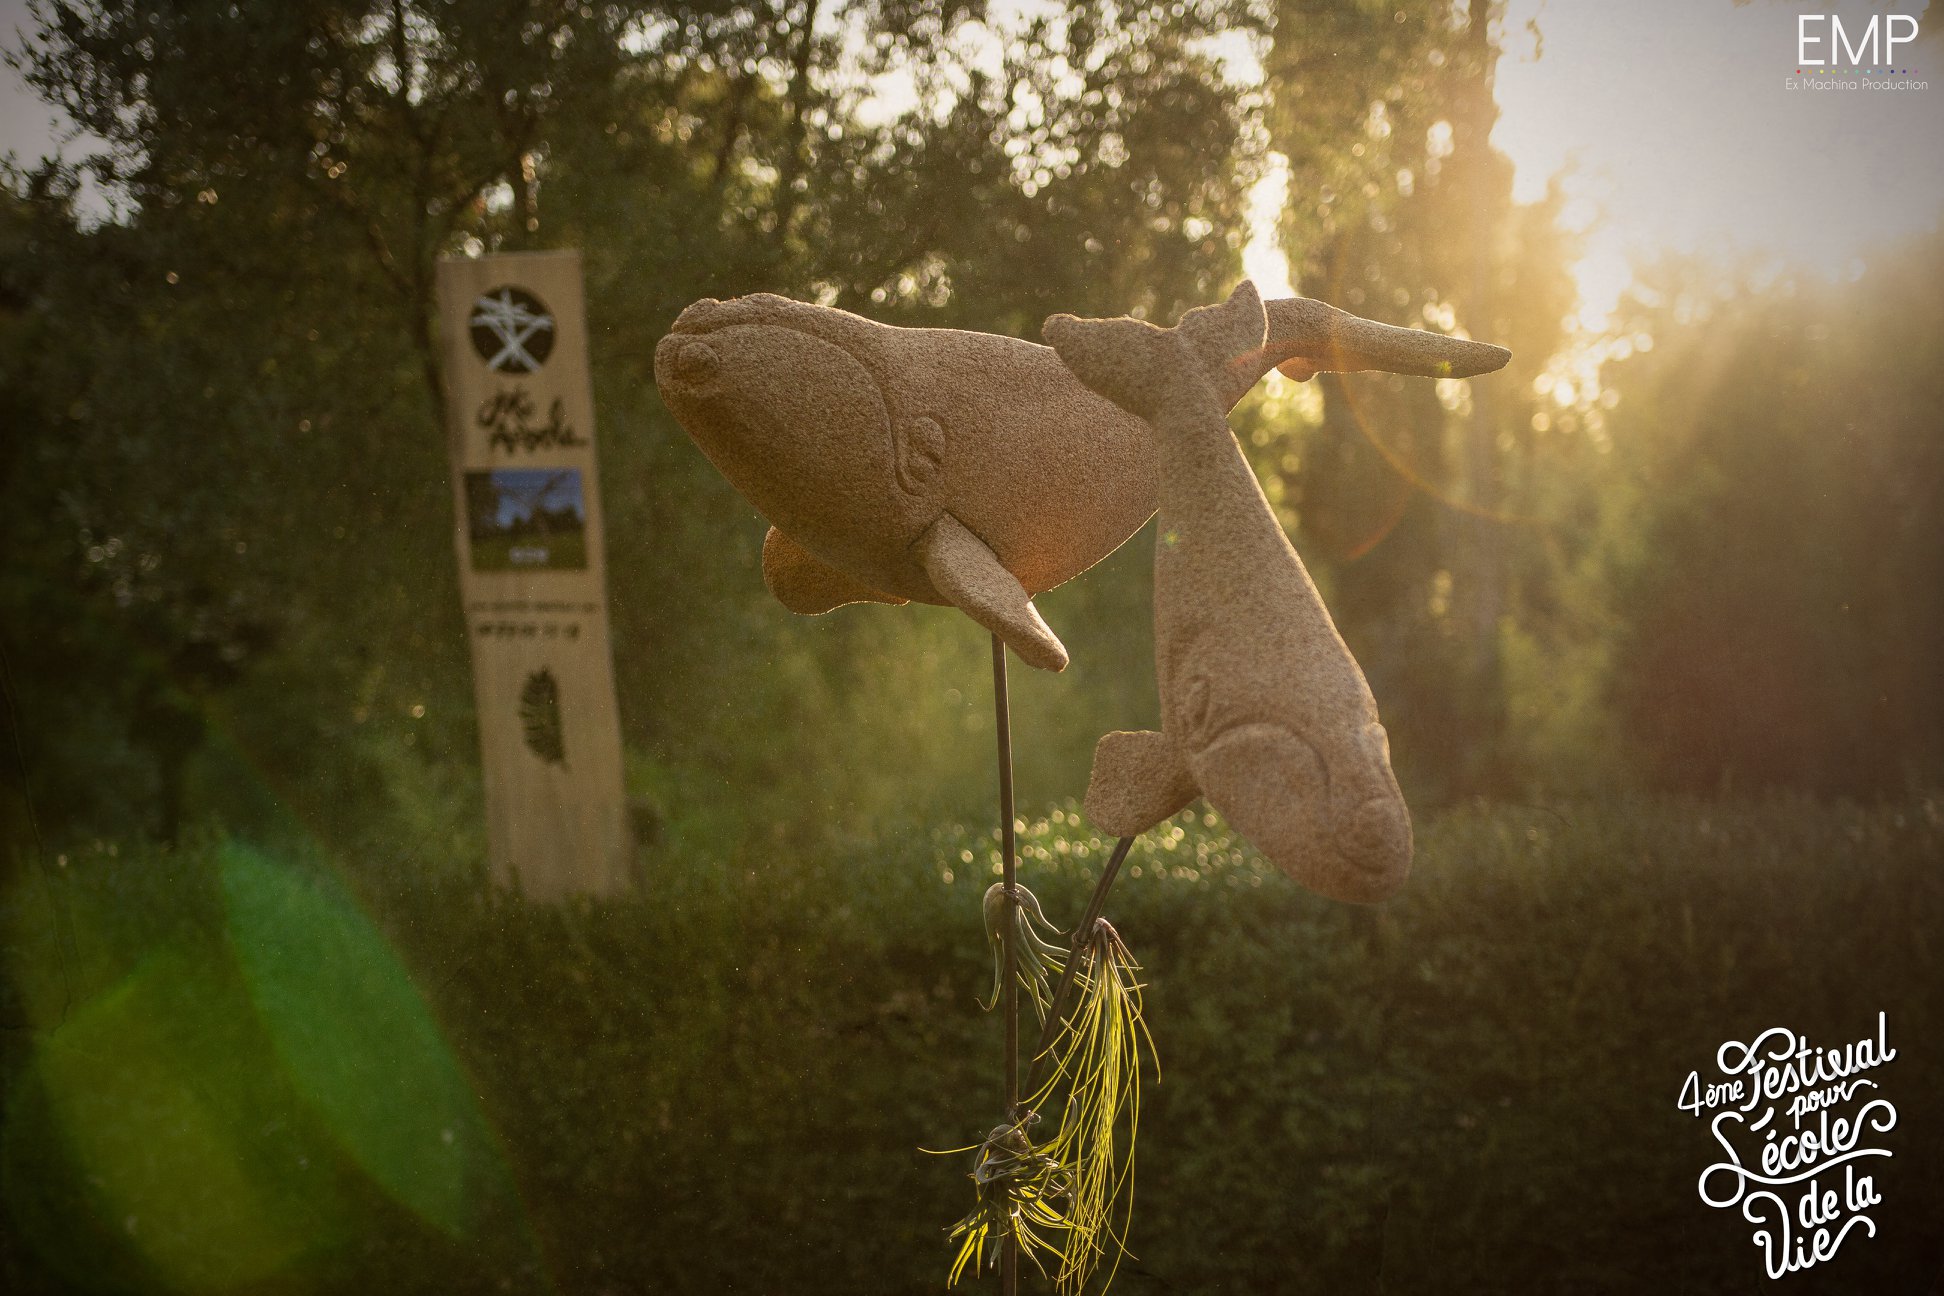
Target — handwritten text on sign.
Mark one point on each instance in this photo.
(1808, 1119)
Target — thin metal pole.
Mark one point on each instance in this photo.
(1009, 1252)
(1056, 1011)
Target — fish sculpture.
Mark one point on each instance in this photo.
(1264, 712)
(950, 467)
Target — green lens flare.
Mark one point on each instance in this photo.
(235, 1085)
(136, 1149)
(359, 1043)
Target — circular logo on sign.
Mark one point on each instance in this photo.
(512, 330)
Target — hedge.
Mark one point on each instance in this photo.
(233, 1070)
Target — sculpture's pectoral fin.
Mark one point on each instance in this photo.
(968, 574)
(806, 584)
(1139, 779)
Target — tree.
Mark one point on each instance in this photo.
(1780, 595)
(1421, 502)
(234, 390)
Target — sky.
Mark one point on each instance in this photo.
(1674, 124)
(1671, 125)
(1671, 122)
(26, 124)
(521, 490)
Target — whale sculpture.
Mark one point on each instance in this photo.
(950, 467)
(1264, 711)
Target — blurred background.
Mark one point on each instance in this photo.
(1655, 618)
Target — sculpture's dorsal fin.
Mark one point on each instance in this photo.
(1139, 779)
(806, 584)
(970, 576)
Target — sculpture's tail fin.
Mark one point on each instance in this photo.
(1240, 340)
(1136, 365)
(1309, 337)
(1226, 335)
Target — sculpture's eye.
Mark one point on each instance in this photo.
(696, 365)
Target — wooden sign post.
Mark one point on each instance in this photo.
(532, 571)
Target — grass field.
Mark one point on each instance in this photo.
(723, 1083)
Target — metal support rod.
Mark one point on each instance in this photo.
(1001, 710)
(1009, 1251)
(1056, 1010)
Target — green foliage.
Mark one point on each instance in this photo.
(1431, 514)
(1036, 959)
(1783, 427)
(719, 1084)
(1021, 1195)
(230, 488)
(1065, 1194)
(1095, 1085)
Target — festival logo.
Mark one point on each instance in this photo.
(1799, 1126)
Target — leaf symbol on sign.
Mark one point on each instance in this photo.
(540, 717)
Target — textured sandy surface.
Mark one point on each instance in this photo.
(1264, 711)
(944, 466)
